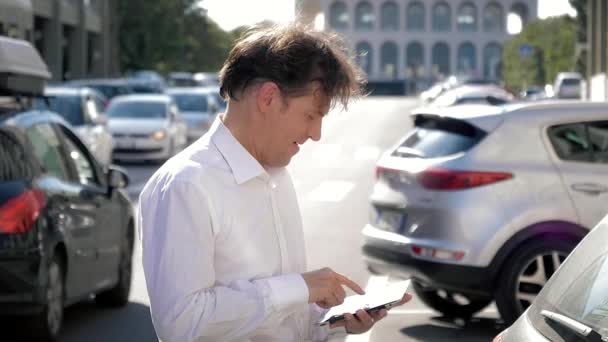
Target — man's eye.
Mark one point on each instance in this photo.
(310, 117)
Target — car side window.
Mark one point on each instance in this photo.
(47, 148)
(81, 161)
(570, 142)
(598, 137)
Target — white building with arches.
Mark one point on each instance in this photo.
(420, 41)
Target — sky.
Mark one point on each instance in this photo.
(230, 14)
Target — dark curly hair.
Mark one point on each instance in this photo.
(292, 56)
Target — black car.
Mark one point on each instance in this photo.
(66, 226)
(109, 87)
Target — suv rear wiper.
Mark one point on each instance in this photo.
(573, 325)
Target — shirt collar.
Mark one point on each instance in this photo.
(243, 165)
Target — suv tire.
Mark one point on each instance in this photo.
(446, 302)
(525, 272)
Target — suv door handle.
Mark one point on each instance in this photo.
(591, 189)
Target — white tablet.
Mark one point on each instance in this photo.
(385, 299)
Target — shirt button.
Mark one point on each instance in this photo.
(273, 186)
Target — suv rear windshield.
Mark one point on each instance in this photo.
(436, 137)
(579, 289)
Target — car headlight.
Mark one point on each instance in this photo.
(159, 135)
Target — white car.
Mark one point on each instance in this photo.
(146, 127)
(481, 203)
(83, 108)
(568, 85)
(198, 107)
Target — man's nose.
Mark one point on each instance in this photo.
(315, 130)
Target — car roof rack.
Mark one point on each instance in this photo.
(22, 70)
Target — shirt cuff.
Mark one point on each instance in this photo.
(287, 290)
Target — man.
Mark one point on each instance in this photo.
(223, 246)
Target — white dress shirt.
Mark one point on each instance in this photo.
(223, 248)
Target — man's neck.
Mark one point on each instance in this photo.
(240, 126)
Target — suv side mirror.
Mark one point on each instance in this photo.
(117, 177)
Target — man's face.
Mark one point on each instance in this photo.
(291, 124)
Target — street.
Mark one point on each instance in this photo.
(333, 178)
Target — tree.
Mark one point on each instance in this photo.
(170, 35)
(581, 17)
(553, 41)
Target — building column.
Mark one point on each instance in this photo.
(78, 45)
(52, 34)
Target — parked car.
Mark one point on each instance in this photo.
(207, 79)
(146, 127)
(150, 77)
(471, 94)
(83, 109)
(568, 85)
(533, 93)
(181, 79)
(572, 306)
(66, 226)
(475, 197)
(109, 87)
(197, 106)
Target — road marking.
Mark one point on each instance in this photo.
(331, 191)
(367, 153)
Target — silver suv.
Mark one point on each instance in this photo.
(480, 203)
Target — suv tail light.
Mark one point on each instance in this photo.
(442, 179)
(19, 214)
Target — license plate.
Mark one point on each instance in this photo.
(391, 220)
(126, 143)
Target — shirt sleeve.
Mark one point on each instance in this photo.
(178, 259)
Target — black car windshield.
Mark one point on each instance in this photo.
(579, 289)
(109, 91)
(191, 102)
(138, 110)
(69, 107)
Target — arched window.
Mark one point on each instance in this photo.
(388, 60)
(364, 17)
(441, 59)
(390, 16)
(365, 56)
(467, 18)
(493, 18)
(414, 59)
(415, 17)
(338, 16)
(492, 61)
(442, 17)
(467, 61)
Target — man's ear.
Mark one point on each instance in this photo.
(267, 96)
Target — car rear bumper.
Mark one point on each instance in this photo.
(21, 285)
(394, 257)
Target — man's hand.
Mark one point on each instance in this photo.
(325, 287)
(362, 321)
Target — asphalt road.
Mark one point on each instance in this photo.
(333, 178)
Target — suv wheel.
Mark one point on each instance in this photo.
(524, 275)
(119, 295)
(450, 304)
(46, 325)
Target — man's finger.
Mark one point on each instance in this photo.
(406, 298)
(339, 291)
(351, 284)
